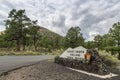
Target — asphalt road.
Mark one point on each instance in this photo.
(8, 63)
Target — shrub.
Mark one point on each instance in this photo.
(109, 59)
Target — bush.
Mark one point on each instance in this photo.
(109, 59)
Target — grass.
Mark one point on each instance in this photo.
(110, 58)
(57, 52)
(2, 53)
(105, 55)
(28, 52)
(51, 60)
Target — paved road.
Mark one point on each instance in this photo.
(10, 62)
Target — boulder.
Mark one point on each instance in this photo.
(95, 65)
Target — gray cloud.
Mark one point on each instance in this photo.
(93, 16)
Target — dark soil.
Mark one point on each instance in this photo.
(45, 70)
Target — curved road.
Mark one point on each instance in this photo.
(11, 62)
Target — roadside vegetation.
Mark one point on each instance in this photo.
(109, 42)
(24, 36)
(109, 59)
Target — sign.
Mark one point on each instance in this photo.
(74, 53)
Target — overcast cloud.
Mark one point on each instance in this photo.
(93, 16)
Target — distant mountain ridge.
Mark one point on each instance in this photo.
(45, 32)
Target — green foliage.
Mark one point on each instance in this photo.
(90, 45)
(109, 48)
(19, 27)
(115, 33)
(109, 42)
(99, 41)
(33, 31)
(15, 25)
(74, 37)
(22, 33)
(2, 42)
(103, 41)
(25, 34)
(109, 59)
(50, 40)
(112, 49)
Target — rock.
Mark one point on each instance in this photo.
(95, 65)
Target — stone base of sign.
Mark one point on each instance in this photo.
(95, 75)
(95, 67)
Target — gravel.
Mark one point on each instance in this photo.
(46, 70)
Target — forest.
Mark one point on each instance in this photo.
(23, 34)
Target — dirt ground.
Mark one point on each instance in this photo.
(46, 70)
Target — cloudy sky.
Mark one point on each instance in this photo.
(93, 16)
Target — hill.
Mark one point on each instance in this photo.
(45, 32)
(47, 40)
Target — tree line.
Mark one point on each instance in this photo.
(22, 32)
(109, 42)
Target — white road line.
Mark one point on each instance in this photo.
(95, 75)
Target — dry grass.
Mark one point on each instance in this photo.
(28, 52)
(2, 53)
(57, 52)
(108, 57)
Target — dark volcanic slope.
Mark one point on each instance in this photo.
(45, 70)
(46, 32)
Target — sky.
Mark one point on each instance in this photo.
(92, 16)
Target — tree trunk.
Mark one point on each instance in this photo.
(19, 40)
(119, 55)
(119, 50)
(35, 43)
(23, 47)
(18, 45)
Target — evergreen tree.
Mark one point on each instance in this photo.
(74, 37)
(115, 34)
(34, 33)
(15, 25)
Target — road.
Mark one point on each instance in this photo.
(11, 62)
